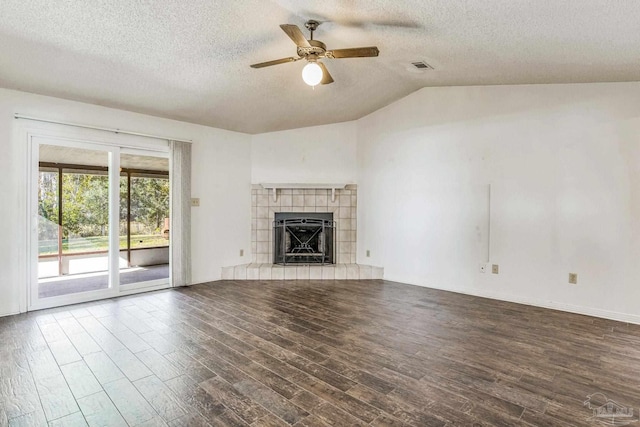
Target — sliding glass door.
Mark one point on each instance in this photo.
(100, 217)
(144, 219)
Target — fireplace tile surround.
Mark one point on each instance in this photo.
(263, 208)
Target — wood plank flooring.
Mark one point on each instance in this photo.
(311, 353)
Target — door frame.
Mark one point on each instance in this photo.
(113, 151)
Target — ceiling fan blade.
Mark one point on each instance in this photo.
(356, 52)
(326, 77)
(295, 34)
(275, 62)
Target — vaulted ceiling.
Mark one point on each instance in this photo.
(189, 60)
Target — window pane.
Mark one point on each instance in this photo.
(149, 211)
(85, 211)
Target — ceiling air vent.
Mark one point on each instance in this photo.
(421, 66)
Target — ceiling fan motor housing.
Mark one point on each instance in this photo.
(317, 48)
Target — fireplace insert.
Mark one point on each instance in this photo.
(303, 238)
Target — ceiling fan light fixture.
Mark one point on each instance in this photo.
(312, 73)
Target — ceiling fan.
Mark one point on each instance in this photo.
(313, 50)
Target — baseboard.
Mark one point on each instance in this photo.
(569, 308)
(11, 313)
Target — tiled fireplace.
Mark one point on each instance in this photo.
(263, 209)
(267, 200)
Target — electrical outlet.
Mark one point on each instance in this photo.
(241, 252)
(368, 253)
(573, 278)
(495, 269)
(195, 202)
(483, 268)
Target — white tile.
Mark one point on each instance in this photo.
(277, 273)
(253, 272)
(263, 235)
(343, 213)
(354, 214)
(274, 203)
(328, 273)
(287, 201)
(321, 200)
(290, 273)
(365, 272)
(262, 247)
(302, 272)
(377, 273)
(354, 200)
(344, 235)
(240, 272)
(345, 224)
(309, 192)
(262, 258)
(297, 200)
(315, 272)
(309, 200)
(262, 212)
(265, 272)
(344, 247)
(353, 272)
(286, 192)
(340, 272)
(263, 224)
(353, 236)
(352, 258)
(310, 209)
(227, 273)
(262, 200)
(345, 200)
(297, 192)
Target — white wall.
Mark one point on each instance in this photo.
(319, 154)
(563, 163)
(221, 179)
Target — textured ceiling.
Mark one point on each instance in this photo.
(190, 60)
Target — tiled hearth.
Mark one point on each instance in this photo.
(263, 208)
(301, 272)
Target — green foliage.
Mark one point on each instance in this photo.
(85, 204)
(150, 202)
(85, 210)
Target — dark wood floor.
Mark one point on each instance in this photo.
(342, 353)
